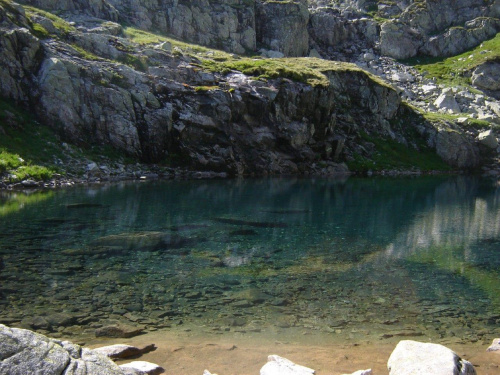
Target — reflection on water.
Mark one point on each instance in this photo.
(352, 258)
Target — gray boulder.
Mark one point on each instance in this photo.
(282, 26)
(123, 351)
(456, 149)
(487, 76)
(22, 352)
(488, 139)
(399, 40)
(418, 358)
(447, 103)
(458, 39)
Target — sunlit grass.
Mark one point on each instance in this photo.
(453, 70)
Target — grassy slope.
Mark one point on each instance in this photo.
(456, 70)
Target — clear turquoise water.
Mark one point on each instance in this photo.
(380, 258)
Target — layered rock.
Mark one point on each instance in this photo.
(282, 26)
(439, 28)
(162, 102)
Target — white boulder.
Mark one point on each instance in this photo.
(142, 368)
(418, 358)
(488, 139)
(277, 365)
(495, 346)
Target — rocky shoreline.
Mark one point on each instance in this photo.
(22, 350)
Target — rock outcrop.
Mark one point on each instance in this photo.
(95, 86)
(282, 26)
(163, 103)
(403, 29)
(439, 28)
(487, 76)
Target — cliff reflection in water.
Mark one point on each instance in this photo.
(349, 258)
(462, 215)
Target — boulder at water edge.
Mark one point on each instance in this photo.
(418, 358)
(495, 346)
(23, 351)
(277, 365)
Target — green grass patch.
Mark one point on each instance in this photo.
(146, 38)
(33, 172)
(471, 123)
(61, 25)
(308, 70)
(40, 31)
(206, 88)
(84, 53)
(27, 149)
(454, 70)
(391, 155)
(139, 63)
(9, 161)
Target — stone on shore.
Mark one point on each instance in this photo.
(495, 346)
(142, 368)
(277, 365)
(418, 358)
(123, 351)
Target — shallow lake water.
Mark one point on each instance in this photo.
(321, 261)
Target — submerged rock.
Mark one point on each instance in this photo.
(418, 358)
(83, 205)
(145, 241)
(123, 351)
(118, 331)
(259, 224)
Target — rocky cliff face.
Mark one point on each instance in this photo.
(400, 29)
(157, 101)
